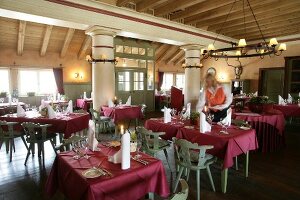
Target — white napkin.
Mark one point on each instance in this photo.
(9, 99)
(20, 111)
(125, 148)
(110, 103)
(280, 100)
(187, 113)
(167, 115)
(93, 142)
(51, 112)
(116, 158)
(255, 94)
(204, 125)
(290, 98)
(84, 95)
(227, 119)
(128, 102)
(70, 107)
(58, 96)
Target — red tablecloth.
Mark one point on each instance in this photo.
(131, 184)
(269, 129)
(290, 110)
(226, 147)
(67, 125)
(84, 103)
(123, 112)
(158, 125)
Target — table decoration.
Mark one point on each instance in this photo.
(204, 125)
(195, 118)
(259, 104)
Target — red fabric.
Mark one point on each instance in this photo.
(160, 80)
(226, 147)
(67, 125)
(131, 184)
(83, 104)
(59, 79)
(176, 98)
(123, 112)
(290, 110)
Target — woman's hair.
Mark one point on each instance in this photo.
(211, 77)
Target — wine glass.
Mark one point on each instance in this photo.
(224, 125)
(210, 118)
(1, 100)
(85, 146)
(75, 148)
(139, 142)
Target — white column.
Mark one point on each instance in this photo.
(192, 75)
(103, 74)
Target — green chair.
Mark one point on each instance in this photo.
(37, 134)
(184, 193)
(8, 135)
(102, 123)
(152, 143)
(67, 143)
(191, 156)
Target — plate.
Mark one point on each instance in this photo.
(189, 127)
(245, 128)
(91, 173)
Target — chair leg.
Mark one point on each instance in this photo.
(187, 174)
(28, 153)
(236, 163)
(10, 149)
(13, 144)
(247, 164)
(53, 146)
(167, 157)
(210, 178)
(43, 152)
(33, 149)
(198, 184)
(7, 145)
(24, 141)
(224, 177)
(178, 178)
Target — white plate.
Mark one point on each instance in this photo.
(245, 128)
(91, 173)
(189, 127)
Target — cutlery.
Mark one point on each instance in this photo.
(140, 161)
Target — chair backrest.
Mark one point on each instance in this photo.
(183, 194)
(95, 115)
(69, 141)
(184, 148)
(7, 132)
(150, 139)
(34, 131)
(143, 109)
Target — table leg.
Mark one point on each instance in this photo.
(247, 164)
(224, 176)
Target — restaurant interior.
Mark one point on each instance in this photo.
(149, 99)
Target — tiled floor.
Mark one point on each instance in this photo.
(273, 176)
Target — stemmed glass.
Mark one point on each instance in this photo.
(173, 113)
(225, 126)
(210, 118)
(1, 100)
(85, 146)
(139, 142)
(75, 148)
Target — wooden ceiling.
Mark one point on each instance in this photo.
(28, 36)
(275, 17)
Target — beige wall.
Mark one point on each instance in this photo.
(32, 59)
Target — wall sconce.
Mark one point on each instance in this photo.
(103, 59)
(77, 75)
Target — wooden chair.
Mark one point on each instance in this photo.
(37, 134)
(67, 143)
(8, 135)
(191, 156)
(152, 143)
(102, 123)
(184, 193)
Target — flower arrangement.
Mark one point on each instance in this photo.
(260, 100)
(194, 117)
(259, 104)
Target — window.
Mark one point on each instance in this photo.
(4, 80)
(179, 80)
(119, 49)
(124, 81)
(150, 74)
(39, 81)
(138, 81)
(167, 81)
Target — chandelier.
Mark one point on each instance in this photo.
(241, 49)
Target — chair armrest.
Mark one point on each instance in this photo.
(204, 147)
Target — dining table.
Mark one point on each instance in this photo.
(64, 124)
(288, 110)
(134, 183)
(84, 103)
(120, 113)
(269, 128)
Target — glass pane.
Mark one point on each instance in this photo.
(127, 49)
(150, 75)
(167, 81)
(141, 85)
(135, 76)
(121, 86)
(124, 81)
(142, 63)
(142, 51)
(4, 80)
(119, 48)
(150, 52)
(180, 80)
(28, 81)
(47, 84)
(135, 50)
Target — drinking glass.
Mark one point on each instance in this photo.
(85, 146)
(138, 146)
(1, 100)
(210, 118)
(75, 148)
(225, 126)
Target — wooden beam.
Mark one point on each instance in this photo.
(160, 49)
(85, 44)
(67, 42)
(165, 53)
(174, 56)
(172, 6)
(272, 34)
(21, 37)
(146, 4)
(123, 2)
(179, 60)
(46, 39)
(200, 8)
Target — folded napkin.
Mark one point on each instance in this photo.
(116, 158)
(70, 107)
(93, 142)
(280, 100)
(58, 96)
(51, 112)
(125, 148)
(187, 113)
(167, 115)
(110, 104)
(43, 105)
(290, 98)
(227, 119)
(9, 99)
(20, 111)
(84, 95)
(204, 125)
(128, 102)
(255, 94)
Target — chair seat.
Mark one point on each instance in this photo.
(38, 138)
(103, 118)
(161, 143)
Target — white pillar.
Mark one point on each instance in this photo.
(192, 74)
(103, 74)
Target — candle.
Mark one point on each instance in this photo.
(205, 109)
(122, 130)
(115, 98)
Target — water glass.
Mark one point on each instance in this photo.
(138, 146)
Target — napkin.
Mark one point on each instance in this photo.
(280, 100)
(51, 112)
(9, 99)
(116, 158)
(70, 107)
(227, 119)
(58, 96)
(187, 113)
(125, 148)
(255, 94)
(20, 111)
(93, 142)
(128, 102)
(110, 104)
(290, 98)
(84, 95)
(167, 115)
(204, 125)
